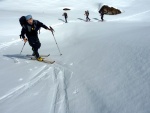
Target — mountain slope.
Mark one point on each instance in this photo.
(104, 67)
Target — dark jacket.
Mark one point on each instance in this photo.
(65, 15)
(31, 31)
(86, 13)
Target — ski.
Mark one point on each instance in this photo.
(44, 60)
(48, 61)
(28, 55)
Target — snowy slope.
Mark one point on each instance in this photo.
(104, 67)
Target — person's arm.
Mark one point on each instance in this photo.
(23, 32)
(40, 24)
(44, 26)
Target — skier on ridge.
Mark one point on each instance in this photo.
(66, 16)
(87, 16)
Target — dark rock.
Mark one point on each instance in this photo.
(66, 9)
(109, 10)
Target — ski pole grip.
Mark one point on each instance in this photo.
(51, 28)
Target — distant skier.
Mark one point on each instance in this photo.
(87, 16)
(66, 16)
(101, 11)
(31, 31)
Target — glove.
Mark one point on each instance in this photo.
(25, 40)
(51, 28)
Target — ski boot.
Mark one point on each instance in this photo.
(40, 59)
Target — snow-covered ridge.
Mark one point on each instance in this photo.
(48, 5)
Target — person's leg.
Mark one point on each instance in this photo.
(66, 19)
(33, 54)
(102, 16)
(36, 52)
(88, 18)
(35, 47)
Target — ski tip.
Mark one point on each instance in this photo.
(52, 62)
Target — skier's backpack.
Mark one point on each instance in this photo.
(22, 21)
(87, 13)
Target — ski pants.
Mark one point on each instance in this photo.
(87, 18)
(66, 19)
(102, 16)
(35, 46)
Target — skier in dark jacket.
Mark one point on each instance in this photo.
(31, 31)
(101, 11)
(87, 15)
(66, 16)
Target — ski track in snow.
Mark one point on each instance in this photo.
(16, 60)
(128, 17)
(24, 87)
(7, 44)
(60, 97)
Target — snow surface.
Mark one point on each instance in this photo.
(105, 66)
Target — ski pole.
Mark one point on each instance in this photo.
(55, 39)
(22, 48)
